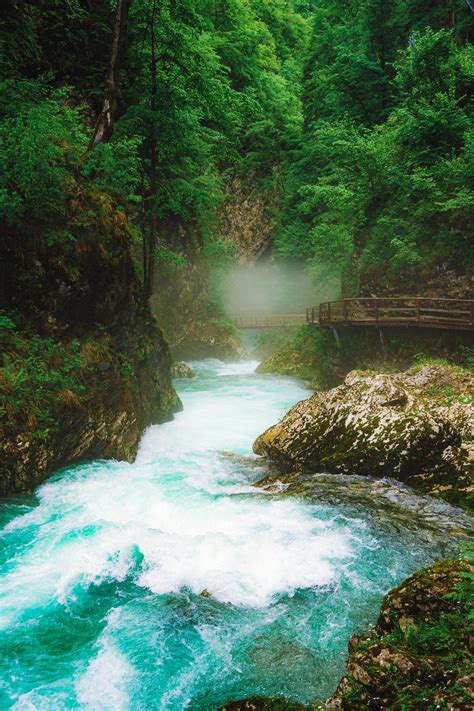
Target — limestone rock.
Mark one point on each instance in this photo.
(414, 426)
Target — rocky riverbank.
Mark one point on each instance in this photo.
(85, 367)
(324, 357)
(418, 655)
(414, 426)
(417, 427)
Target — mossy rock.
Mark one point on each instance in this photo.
(419, 654)
(414, 426)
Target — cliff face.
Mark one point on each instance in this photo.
(186, 303)
(190, 315)
(85, 367)
(246, 222)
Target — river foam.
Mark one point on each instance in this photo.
(173, 583)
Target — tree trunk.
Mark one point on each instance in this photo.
(150, 240)
(105, 121)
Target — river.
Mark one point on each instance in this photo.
(172, 583)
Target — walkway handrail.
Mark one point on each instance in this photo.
(429, 312)
(272, 321)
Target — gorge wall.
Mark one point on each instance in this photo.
(86, 367)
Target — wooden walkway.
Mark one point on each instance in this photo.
(447, 314)
(273, 321)
(420, 312)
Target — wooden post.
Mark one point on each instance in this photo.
(329, 312)
(344, 311)
(417, 309)
(472, 313)
(376, 310)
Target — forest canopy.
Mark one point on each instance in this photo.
(380, 181)
(356, 115)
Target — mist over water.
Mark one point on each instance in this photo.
(268, 287)
(103, 570)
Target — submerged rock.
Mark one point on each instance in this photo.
(414, 426)
(386, 503)
(181, 369)
(419, 653)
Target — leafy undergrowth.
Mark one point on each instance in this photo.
(40, 377)
(308, 354)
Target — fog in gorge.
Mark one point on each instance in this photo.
(270, 287)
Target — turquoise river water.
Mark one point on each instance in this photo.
(102, 569)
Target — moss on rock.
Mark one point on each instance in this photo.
(85, 368)
(414, 426)
(263, 704)
(419, 654)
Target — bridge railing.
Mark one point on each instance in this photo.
(403, 311)
(272, 321)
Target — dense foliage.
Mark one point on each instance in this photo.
(358, 115)
(207, 88)
(209, 91)
(380, 181)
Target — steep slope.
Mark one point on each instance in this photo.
(85, 367)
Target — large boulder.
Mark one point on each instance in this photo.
(414, 426)
(418, 655)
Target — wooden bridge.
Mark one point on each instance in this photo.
(273, 321)
(439, 313)
(457, 314)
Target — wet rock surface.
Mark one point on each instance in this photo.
(419, 654)
(181, 369)
(384, 502)
(416, 427)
